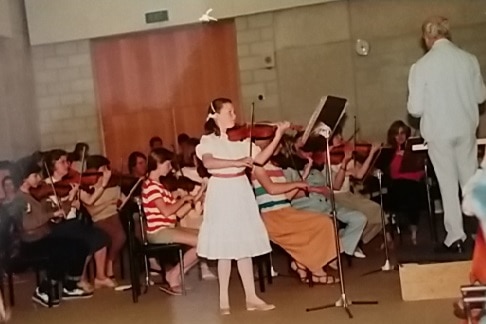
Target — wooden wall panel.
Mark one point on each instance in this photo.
(161, 83)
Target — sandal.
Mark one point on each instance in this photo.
(173, 291)
(333, 265)
(328, 279)
(300, 271)
(85, 286)
(104, 283)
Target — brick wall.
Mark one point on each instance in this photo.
(65, 95)
(291, 56)
(256, 56)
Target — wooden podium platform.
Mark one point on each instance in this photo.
(425, 274)
(434, 280)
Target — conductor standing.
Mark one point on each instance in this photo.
(445, 89)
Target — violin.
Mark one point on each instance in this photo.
(256, 132)
(121, 180)
(45, 190)
(91, 176)
(172, 183)
(64, 186)
(259, 131)
(359, 151)
(85, 179)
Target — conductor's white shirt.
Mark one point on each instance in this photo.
(445, 88)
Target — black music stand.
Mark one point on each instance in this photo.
(328, 113)
(416, 161)
(381, 162)
(331, 110)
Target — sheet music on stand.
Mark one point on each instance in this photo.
(413, 161)
(328, 112)
(381, 161)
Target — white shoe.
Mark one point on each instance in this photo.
(358, 253)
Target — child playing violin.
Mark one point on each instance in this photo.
(342, 174)
(318, 201)
(192, 215)
(102, 206)
(58, 167)
(161, 211)
(232, 227)
(39, 236)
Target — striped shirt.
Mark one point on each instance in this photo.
(267, 202)
(151, 191)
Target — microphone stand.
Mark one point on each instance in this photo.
(343, 301)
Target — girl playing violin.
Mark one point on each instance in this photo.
(102, 206)
(342, 174)
(39, 236)
(232, 227)
(192, 217)
(58, 167)
(137, 167)
(318, 201)
(161, 211)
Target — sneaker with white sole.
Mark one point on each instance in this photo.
(75, 293)
(42, 299)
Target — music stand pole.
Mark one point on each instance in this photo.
(432, 223)
(387, 266)
(343, 301)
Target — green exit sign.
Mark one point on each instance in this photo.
(156, 16)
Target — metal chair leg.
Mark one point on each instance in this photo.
(268, 268)
(50, 296)
(132, 262)
(147, 273)
(181, 262)
(261, 274)
(11, 289)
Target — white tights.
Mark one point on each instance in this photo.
(245, 269)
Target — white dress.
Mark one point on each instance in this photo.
(232, 227)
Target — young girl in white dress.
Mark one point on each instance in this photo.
(232, 227)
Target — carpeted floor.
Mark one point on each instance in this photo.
(291, 298)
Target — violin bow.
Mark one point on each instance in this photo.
(51, 183)
(83, 160)
(252, 122)
(121, 179)
(176, 162)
